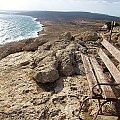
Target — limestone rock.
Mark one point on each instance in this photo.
(73, 47)
(43, 98)
(43, 113)
(116, 29)
(109, 109)
(115, 36)
(30, 44)
(40, 55)
(54, 112)
(47, 75)
(67, 62)
(66, 36)
(67, 59)
(18, 59)
(90, 36)
(46, 71)
(45, 46)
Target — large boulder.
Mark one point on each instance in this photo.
(39, 55)
(45, 46)
(89, 36)
(66, 36)
(46, 70)
(67, 60)
(49, 74)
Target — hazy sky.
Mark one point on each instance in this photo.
(111, 7)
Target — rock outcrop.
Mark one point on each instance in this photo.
(49, 65)
(66, 36)
(67, 59)
(40, 83)
(19, 46)
(46, 70)
(88, 36)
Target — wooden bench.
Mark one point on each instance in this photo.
(101, 87)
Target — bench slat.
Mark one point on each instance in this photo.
(109, 64)
(114, 51)
(107, 90)
(89, 73)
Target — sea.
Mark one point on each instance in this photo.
(18, 27)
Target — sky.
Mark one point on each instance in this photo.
(110, 7)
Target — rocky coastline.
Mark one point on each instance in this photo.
(43, 78)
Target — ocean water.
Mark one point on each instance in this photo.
(17, 27)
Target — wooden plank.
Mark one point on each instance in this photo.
(107, 90)
(114, 51)
(109, 64)
(105, 117)
(89, 73)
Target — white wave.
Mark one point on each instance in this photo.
(19, 28)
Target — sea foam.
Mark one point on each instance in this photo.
(18, 27)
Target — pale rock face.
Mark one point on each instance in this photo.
(67, 62)
(39, 56)
(46, 70)
(90, 36)
(66, 36)
(73, 47)
(18, 59)
(67, 59)
(45, 46)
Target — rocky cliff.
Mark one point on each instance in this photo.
(45, 80)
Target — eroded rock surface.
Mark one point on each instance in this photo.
(66, 36)
(46, 70)
(48, 82)
(88, 36)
